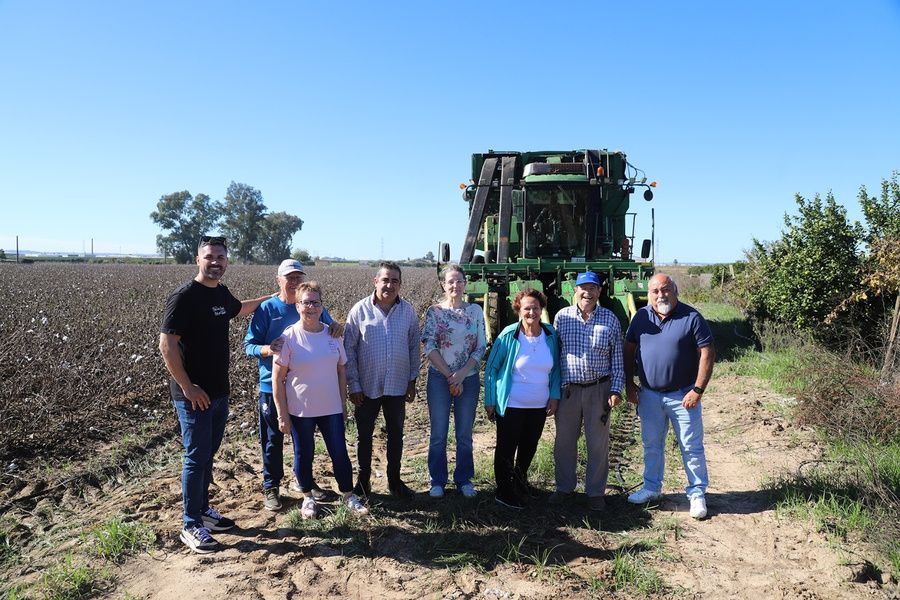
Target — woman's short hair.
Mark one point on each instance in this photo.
(529, 292)
(309, 286)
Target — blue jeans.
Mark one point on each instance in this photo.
(201, 436)
(303, 431)
(464, 405)
(656, 409)
(271, 441)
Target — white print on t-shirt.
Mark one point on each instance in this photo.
(219, 311)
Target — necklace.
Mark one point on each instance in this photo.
(532, 342)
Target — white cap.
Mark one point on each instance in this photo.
(289, 265)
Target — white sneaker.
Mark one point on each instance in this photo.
(354, 504)
(437, 491)
(698, 507)
(643, 496)
(308, 509)
(468, 490)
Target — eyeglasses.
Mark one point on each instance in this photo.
(212, 240)
(310, 303)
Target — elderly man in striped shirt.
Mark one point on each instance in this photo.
(593, 376)
(381, 339)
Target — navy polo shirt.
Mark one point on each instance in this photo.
(667, 356)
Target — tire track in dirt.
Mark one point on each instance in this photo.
(743, 549)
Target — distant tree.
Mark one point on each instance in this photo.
(302, 255)
(185, 218)
(2, 254)
(429, 256)
(243, 216)
(275, 236)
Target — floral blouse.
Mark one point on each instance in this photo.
(457, 333)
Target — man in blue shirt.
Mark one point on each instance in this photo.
(590, 341)
(672, 347)
(262, 340)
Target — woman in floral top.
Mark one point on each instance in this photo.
(454, 344)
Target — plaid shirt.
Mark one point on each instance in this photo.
(382, 349)
(590, 349)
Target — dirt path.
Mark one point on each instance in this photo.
(473, 549)
(744, 549)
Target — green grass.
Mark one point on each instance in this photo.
(845, 495)
(831, 512)
(780, 368)
(69, 580)
(117, 539)
(542, 471)
(8, 551)
(631, 574)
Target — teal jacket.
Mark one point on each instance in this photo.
(499, 367)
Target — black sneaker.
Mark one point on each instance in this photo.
(509, 501)
(273, 499)
(199, 540)
(400, 490)
(215, 521)
(362, 488)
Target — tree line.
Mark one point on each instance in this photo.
(835, 278)
(253, 233)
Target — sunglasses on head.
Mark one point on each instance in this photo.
(212, 240)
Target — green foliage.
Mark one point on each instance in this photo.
(186, 218)
(116, 539)
(882, 213)
(243, 213)
(2, 254)
(629, 573)
(802, 277)
(71, 581)
(302, 255)
(275, 237)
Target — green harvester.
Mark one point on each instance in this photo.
(537, 219)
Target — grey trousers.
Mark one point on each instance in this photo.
(588, 405)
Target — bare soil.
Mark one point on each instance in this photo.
(454, 548)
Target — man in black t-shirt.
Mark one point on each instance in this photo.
(194, 344)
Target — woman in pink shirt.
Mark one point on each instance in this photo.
(310, 388)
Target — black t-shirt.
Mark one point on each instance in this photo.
(200, 315)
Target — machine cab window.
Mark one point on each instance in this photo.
(554, 221)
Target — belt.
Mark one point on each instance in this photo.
(590, 383)
(663, 390)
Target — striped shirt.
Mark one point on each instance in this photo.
(590, 349)
(382, 349)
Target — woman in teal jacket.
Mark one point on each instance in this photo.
(521, 389)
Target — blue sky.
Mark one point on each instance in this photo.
(361, 117)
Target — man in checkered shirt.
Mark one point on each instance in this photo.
(593, 376)
(381, 339)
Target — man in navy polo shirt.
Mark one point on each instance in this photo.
(672, 347)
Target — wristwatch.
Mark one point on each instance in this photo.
(698, 390)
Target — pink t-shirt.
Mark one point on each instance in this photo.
(312, 382)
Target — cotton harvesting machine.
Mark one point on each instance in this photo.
(537, 219)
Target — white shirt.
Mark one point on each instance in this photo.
(531, 373)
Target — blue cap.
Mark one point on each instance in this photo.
(587, 277)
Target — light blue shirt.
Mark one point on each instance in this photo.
(382, 349)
